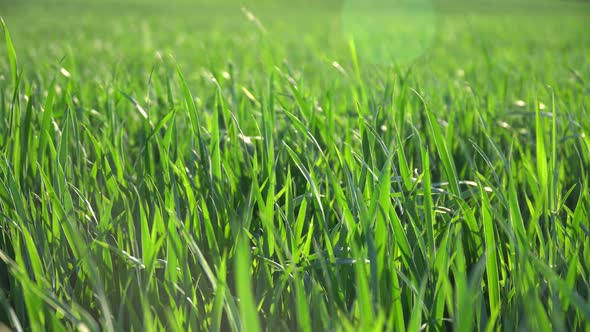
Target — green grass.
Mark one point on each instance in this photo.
(267, 166)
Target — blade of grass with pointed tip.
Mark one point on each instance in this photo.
(11, 52)
(493, 281)
(442, 149)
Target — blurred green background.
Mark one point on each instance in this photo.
(127, 30)
(548, 40)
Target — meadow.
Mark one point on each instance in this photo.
(312, 166)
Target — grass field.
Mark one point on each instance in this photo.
(275, 165)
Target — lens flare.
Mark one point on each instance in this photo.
(389, 31)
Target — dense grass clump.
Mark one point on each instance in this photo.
(268, 166)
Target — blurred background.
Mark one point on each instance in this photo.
(137, 32)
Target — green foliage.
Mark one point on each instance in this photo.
(247, 167)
